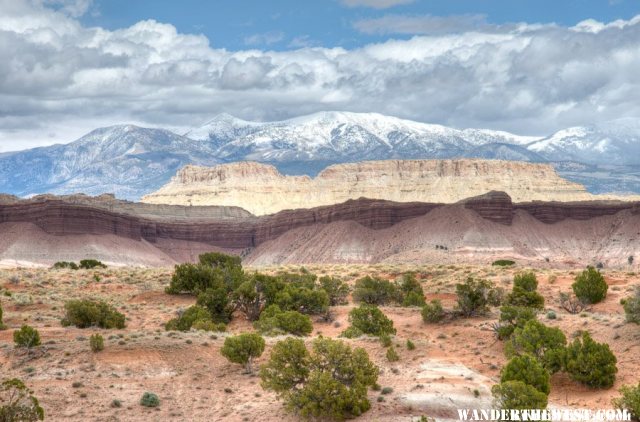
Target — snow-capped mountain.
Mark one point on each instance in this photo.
(615, 142)
(343, 136)
(131, 161)
(126, 160)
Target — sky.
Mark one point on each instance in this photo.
(527, 67)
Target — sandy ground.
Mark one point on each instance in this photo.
(454, 365)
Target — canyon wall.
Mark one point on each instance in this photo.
(261, 189)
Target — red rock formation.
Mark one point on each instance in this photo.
(239, 230)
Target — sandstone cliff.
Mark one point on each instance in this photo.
(261, 189)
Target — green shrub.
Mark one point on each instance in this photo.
(590, 286)
(629, 400)
(336, 289)
(433, 311)
(302, 299)
(371, 320)
(217, 302)
(208, 325)
(220, 260)
(352, 332)
(512, 317)
(214, 270)
(527, 369)
(475, 297)
(243, 349)
(150, 400)
(591, 363)
(392, 355)
(188, 318)
(256, 293)
(631, 307)
(375, 291)
(410, 345)
(518, 396)
(410, 291)
(503, 263)
(96, 342)
(547, 344)
(194, 278)
(385, 340)
(274, 321)
(524, 292)
(27, 337)
(17, 403)
(330, 382)
(89, 264)
(89, 313)
(65, 264)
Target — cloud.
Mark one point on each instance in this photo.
(424, 25)
(266, 38)
(60, 77)
(376, 4)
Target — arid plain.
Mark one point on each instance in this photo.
(454, 363)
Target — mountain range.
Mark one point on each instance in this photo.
(131, 161)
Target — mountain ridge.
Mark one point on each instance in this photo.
(131, 161)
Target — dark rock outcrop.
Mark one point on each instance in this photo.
(494, 206)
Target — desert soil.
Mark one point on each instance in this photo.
(454, 364)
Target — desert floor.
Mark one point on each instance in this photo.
(453, 366)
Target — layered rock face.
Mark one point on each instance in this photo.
(261, 189)
(46, 229)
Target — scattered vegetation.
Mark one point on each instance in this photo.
(26, 337)
(518, 395)
(329, 382)
(433, 311)
(591, 363)
(503, 263)
(188, 318)
(410, 291)
(17, 403)
(273, 321)
(88, 264)
(150, 400)
(65, 264)
(629, 399)
(243, 349)
(475, 297)
(524, 292)
(336, 289)
(590, 286)
(375, 291)
(527, 369)
(546, 344)
(96, 342)
(90, 313)
(631, 307)
(392, 355)
(369, 319)
(512, 317)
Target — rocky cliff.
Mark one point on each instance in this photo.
(362, 230)
(261, 189)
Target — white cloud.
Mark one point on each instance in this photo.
(376, 4)
(58, 77)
